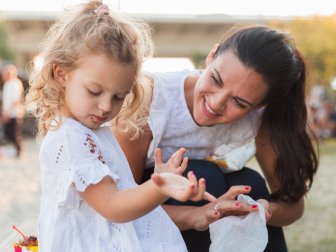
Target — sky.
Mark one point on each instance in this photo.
(232, 7)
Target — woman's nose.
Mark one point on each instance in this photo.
(219, 101)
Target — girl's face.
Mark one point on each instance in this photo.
(226, 91)
(96, 89)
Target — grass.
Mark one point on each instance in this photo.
(315, 231)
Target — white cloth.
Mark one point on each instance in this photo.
(12, 99)
(72, 158)
(173, 127)
(246, 233)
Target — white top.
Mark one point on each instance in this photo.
(72, 158)
(12, 96)
(173, 127)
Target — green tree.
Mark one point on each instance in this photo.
(5, 52)
(316, 38)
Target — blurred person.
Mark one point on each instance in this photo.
(12, 106)
(328, 120)
(252, 89)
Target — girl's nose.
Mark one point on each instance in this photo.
(105, 105)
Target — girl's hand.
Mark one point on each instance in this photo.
(181, 188)
(225, 205)
(176, 164)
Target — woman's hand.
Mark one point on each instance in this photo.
(225, 205)
(176, 164)
(267, 207)
(181, 188)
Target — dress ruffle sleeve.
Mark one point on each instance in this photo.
(87, 164)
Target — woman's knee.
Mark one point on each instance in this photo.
(250, 177)
(213, 175)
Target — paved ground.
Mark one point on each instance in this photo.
(20, 192)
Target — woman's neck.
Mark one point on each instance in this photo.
(189, 86)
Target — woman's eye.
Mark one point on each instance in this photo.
(216, 81)
(239, 104)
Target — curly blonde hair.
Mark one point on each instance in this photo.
(75, 33)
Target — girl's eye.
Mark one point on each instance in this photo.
(93, 92)
(116, 98)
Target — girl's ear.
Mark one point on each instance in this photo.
(60, 74)
(211, 55)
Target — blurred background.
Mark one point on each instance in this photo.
(183, 34)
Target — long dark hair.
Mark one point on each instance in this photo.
(272, 54)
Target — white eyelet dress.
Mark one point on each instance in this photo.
(72, 158)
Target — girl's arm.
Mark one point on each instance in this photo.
(127, 205)
(283, 213)
(122, 206)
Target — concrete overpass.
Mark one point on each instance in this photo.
(173, 35)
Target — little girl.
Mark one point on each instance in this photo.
(90, 201)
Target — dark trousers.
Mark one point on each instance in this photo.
(12, 130)
(217, 184)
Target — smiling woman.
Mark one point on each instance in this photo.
(248, 101)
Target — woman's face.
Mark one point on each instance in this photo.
(226, 91)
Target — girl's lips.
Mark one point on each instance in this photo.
(98, 118)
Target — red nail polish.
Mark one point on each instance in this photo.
(192, 186)
(247, 188)
(237, 204)
(215, 212)
(254, 206)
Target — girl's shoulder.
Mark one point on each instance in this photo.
(70, 133)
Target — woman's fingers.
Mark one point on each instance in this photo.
(234, 191)
(209, 197)
(234, 207)
(267, 207)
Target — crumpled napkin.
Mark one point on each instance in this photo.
(246, 233)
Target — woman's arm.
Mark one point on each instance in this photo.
(283, 213)
(135, 152)
(200, 217)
